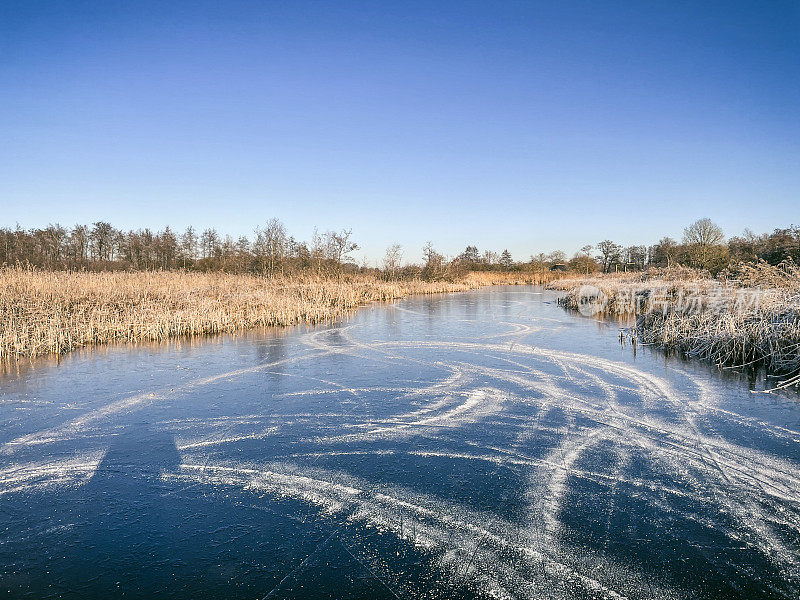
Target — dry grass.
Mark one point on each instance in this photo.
(631, 293)
(511, 277)
(55, 312)
(710, 319)
(768, 336)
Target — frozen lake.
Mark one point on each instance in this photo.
(468, 445)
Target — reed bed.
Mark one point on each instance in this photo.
(511, 277)
(749, 318)
(55, 312)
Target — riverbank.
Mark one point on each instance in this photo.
(54, 312)
(749, 317)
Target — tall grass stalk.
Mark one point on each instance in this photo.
(55, 312)
(766, 333)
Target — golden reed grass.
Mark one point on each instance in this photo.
(511, 277)
(765, 333)
(55, 312)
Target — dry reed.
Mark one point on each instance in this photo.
(55, 312)
(687, 312)
(511, 277)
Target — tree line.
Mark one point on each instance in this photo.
(273, 251)
(702, 246)
(100, 246)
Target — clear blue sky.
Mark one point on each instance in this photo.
(522, 125)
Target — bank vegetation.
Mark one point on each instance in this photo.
(748, 316)
(46, 312)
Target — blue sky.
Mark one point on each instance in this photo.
(522, 125)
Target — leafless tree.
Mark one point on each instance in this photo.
(609, 254)
(188, 245)
(242, 246)
(434, 262)
(101, 237)
(270, 246)
(79, 243)
(586, 255)
(703, 240)
(340, 245)
(209, 240)
(540, 260)
(317, 250)
(635, 257)
(704, 232)
(392, 259)
(664, 253)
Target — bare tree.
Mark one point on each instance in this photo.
(635, 257)
(434, 262)
(317, 250)
(242, 246)
(101, 236)
(586, 255)
(270, 246)
(228, 248)
(704, 232)
(340, 245)
(79, 243)
(188, 245)
(166, 247)
(392, 259)
(609, 254)
(664, 253)
(54, 242)
(540, 260)
(209, 240)
(703, 240)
